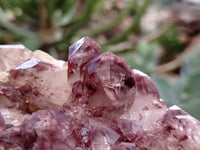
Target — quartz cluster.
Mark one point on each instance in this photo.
(93, 101)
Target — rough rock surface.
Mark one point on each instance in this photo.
(92, 102)
(48, 129)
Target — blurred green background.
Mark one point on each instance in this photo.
(158, 37)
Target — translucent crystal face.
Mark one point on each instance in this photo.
(11, 97)
(12, 56)
(47, 83)
(48, 129)
(2, 123)
(147, 101)
(178, 129)
(80, 53)
(126, 146)
(102, 137)
(110, 81)
(92, 102)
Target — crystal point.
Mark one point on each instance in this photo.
(80, 53)
(92, 102)
(48, 84)
(110, 82)
(102, 137)
(10, 56)
(145, 85)
(147, 101)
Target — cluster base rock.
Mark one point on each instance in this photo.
(93, 101)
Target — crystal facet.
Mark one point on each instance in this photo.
(178, 129)
(147, 101)
(102, 137)
(110, 83)
(48, 129)
(92, 102)
(10, 56)
(2, 123)
(80, 53)
(47, 83)
(126, 146)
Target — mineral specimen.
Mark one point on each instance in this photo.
(102, 137)
(126, 146)
(80, 53)
(110, 83)
(2, 123)
(48, 129)
(46, 83)
(92, 102)
(147, 101)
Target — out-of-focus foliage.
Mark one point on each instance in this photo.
(171, 41)
(53, 25)
(43, 23)
(163, 1)
(182, 90)
(145, 57)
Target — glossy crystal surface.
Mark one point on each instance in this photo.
(92, 102)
